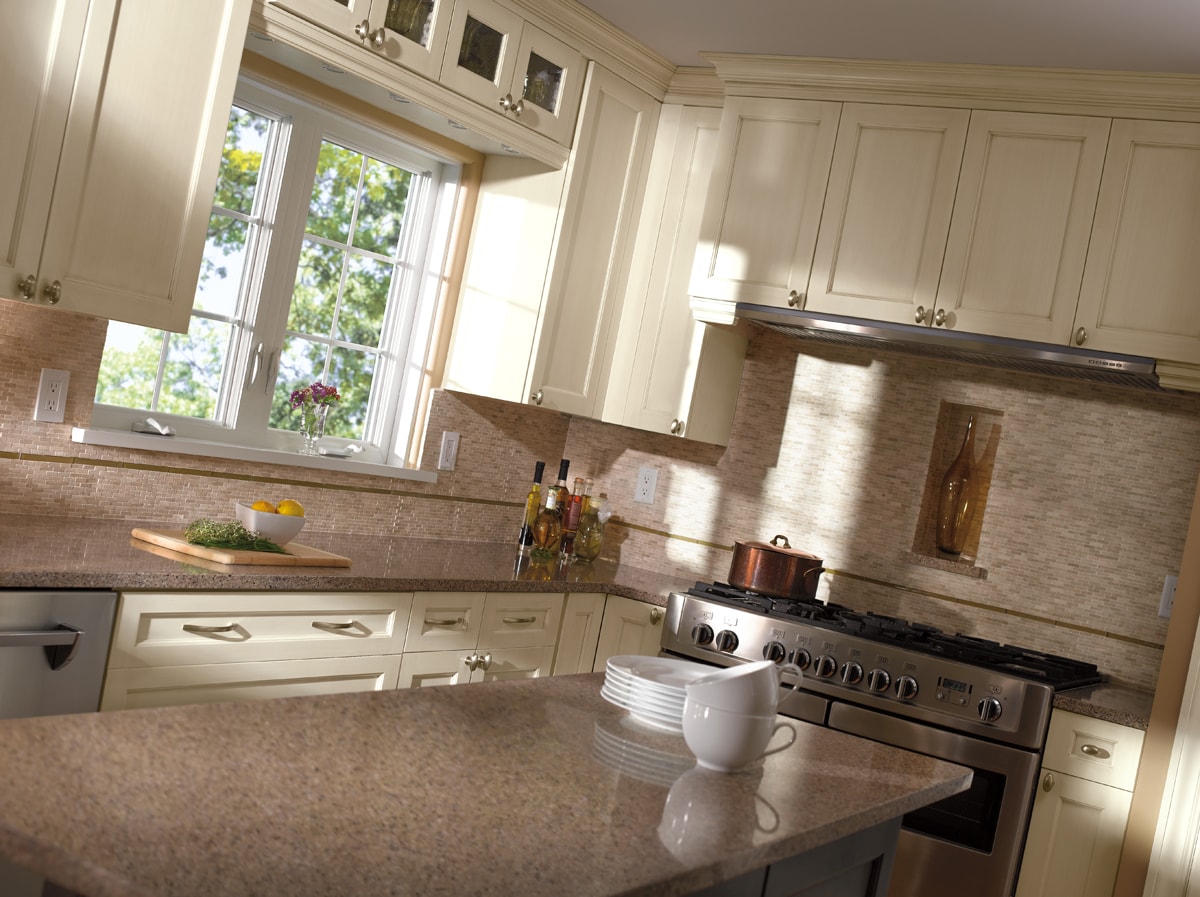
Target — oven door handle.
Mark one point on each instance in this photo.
(60, 644)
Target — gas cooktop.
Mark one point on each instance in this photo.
(1060, 673)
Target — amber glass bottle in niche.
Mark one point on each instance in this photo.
(957, 497)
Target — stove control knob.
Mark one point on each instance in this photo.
(702, 634)
(990, 710)
(825, 666)
(801, 658)
(774, 652)
(878, 680)
(852, 672)
(906, 688)
(726, 641)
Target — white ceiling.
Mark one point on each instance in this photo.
(1130, 35)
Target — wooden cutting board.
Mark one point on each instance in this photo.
(297, 555)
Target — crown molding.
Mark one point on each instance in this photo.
(696, 86)
(1123, 94)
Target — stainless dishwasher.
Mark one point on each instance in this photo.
(53, 650)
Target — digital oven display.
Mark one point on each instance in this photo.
(954, 685)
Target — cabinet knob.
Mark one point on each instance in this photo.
(472, 661)
(919, 314)
(536, 397)
(52, 292)
(1048, 781)
(1081, 336)
(677, 427)
(1092, 750)
(366, 35)
(485, 662)
(27, 286)
(508, 104)
(656, 614)
(795, 299)
(939, 317)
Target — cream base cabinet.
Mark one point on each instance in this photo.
(195, 647)
(671, 373)
(458, 637)
(579, 635)
(629, 627)
(606, 176)
(1139, 283)
(764, 203)
(1027, 192)
(1079, 814)
(887, 211)
(122, 233)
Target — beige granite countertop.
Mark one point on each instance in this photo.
(1114, 703)
(67, 553)
(514, 789)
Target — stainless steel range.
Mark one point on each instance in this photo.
(958, 698)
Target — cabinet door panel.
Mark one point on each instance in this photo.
(1074, 841)
(481, 51)
(576, 652)
(35, 85)
(515, 663)
(1021, 224)
(1139, 283)
(629, 627)
(139, 159)
(605, 178)
(549, 79)
(209, 683)
(887, 211)
(764, 202)
(443, 621)
(434, 668)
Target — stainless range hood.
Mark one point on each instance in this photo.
(972, 348)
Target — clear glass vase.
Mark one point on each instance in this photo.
(312, 427)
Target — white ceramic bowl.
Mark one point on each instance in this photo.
(279, 528)
(727, 741)
(747, 688)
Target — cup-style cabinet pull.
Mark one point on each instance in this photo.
(517, 621)
(1092, 750)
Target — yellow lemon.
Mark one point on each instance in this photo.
(262, 505)
(291, 508)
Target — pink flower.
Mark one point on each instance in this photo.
(316, 394)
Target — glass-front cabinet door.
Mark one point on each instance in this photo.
(411, 33)
(498, 60)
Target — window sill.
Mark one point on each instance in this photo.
(175, 445)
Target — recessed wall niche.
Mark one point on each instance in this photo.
(947, 444)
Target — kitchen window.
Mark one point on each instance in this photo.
(324, 257)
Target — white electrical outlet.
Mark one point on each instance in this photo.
(643, 490)
(449, 453)
(52, 396)
(1168, 595)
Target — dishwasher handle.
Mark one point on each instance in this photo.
(60, 644)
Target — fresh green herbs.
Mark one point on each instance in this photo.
(231, 535)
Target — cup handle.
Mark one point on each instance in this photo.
(790, 741)
(789, 668)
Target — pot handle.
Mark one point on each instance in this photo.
(785, 544)
(817, 570)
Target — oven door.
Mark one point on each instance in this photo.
(976, 836)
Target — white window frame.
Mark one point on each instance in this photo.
(241, 430)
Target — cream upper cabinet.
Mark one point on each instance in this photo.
(764, 202)
(887, 211)
(411, 33)
(1140, 280)
(1021, 224)
(497, 59)
(672, 374)
(606, 176)
(121, 235)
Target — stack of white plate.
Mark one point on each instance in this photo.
(652, 689)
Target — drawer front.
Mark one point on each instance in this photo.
(444, 621)
(1093, 749)
(515, 620)
(174, 629)
(208, 683)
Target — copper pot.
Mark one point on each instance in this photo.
(775, 568)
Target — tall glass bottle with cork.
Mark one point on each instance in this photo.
(533, 504)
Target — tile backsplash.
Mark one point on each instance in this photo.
(1090, 489)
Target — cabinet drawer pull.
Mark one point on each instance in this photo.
(209, 630)
(452, 621)
(513, 621)
(1092, 751)
(332, 627)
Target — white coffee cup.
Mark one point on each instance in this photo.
(747, 688)
(727, 741)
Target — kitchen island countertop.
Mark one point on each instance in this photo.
(530, 787)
